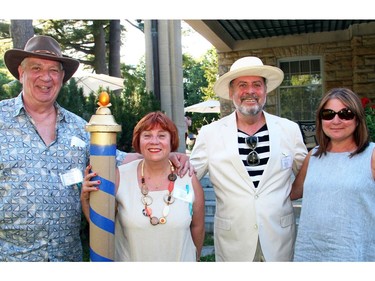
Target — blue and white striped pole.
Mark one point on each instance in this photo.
(103, 130)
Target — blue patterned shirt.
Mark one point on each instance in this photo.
(40, 218)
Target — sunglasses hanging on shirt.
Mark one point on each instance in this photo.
(253, 157)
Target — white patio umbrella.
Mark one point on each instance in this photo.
(208, 106)
(92, 82)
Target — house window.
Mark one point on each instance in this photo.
(301, 90)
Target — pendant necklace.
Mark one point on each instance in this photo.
(147, 199)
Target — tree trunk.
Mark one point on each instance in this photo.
(100, 48)
(114, 48)
(21, 31)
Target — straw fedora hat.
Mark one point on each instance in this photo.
(43, 47)
(249, 66)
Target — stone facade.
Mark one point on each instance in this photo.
(348, 59)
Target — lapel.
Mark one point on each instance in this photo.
(229, 140)
(275, 133)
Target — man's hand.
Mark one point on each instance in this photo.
(182, 163)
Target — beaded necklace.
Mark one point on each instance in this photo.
(147, 199)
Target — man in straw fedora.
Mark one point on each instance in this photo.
(250, 156)
(44, 151)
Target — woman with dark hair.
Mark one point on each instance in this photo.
(160, 216)
(337, 182)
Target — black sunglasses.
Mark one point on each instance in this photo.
(344, 114)
(253, 157)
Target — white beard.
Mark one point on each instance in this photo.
(249, 110)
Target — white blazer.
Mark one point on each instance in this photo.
(244, 212)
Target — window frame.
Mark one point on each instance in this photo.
(281, 87)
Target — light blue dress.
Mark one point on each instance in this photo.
(337, 221)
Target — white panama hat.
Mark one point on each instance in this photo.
(249, 66)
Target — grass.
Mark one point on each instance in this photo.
(209, 258)
(208, 241)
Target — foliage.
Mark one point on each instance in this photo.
(4, 29)
(93, 42)
(300, 103)
(9, 88)
(208, 239)
(300, 91)
(128, 109)
(210, 68)
(209, 258)
(132, 104)
(199, 78)
(370, 117)
(73, 35)
(194, 80)
(72, 98)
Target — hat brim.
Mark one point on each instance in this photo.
(13, 58)
(273, 75)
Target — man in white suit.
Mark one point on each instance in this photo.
(250, 156)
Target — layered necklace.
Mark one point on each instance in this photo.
(147, 199)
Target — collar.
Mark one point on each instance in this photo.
(19, 109)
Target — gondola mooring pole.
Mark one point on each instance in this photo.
(103, 130)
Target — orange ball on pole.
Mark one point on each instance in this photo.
(104, 98)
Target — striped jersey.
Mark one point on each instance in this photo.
(262, 148)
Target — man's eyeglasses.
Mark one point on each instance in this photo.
(344, 114)
(253, 157)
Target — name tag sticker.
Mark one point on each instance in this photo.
(286, 162)
(185, 194)
(77, 142)
(74, 176)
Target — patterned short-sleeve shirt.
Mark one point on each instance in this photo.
(40, 218)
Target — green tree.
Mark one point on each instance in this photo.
(95, 43)
(210, 67)
(194, 80)
(9, 87)
(199, 77)
(4, 29)
(72, 98)
(132, 104)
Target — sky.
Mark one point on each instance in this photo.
(134, 43)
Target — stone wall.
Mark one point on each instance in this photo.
(348, 60)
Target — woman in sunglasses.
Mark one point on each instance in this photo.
(336, 180)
